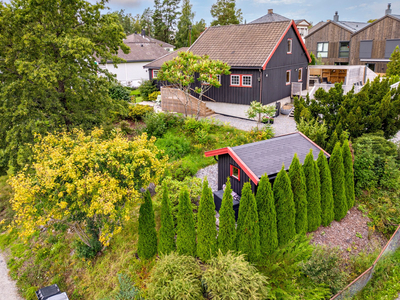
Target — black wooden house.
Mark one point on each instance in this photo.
(250, 161)
(265, 58)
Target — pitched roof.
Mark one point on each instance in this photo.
(270, 17)
(156, 64)
(316, 27)
(138, 38)
(301, 20)
(267, 156)
(350, 26)
(396, 17)
(245, 45)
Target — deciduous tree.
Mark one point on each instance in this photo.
(267, 217)
(285, 209)
(327, 212)
(224, 12)
(298, 183)
(338, 185)
(147, 244)
(227, 230)
(186, 233)
(348, 174)
(206, 224)
(166, 233)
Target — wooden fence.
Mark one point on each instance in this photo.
(173, 100)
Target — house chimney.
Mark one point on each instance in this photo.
(270, 11)
(336, 17)
(389, 10)
(143, 32)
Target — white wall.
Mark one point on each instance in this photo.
(130, 74)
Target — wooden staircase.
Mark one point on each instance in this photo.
(209, 112)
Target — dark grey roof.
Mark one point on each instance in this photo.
(269, 155)
(352, 26)
(316, 27)
(268, 18)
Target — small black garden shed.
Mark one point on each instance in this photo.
(250, 161)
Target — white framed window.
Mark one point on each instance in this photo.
(155, 73)
(288, 77)
(235, 80)
(300, 77)
(322, 49)
(246, 80)
(289, 46)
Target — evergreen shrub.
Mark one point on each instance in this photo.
(147, 244)
(349, 174)
(186, 232)
(339, 193)
(166, 233)
(311, 173)
(146, 88)
(137, 111)
(227, 224)
(327, 209)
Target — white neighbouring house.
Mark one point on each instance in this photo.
(144, 49)
(302, 26)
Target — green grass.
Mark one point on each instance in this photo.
(6, 213)
(136, 93)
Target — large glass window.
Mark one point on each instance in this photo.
(322, 49)
(344, 49)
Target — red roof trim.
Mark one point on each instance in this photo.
(303, 135)
(292, 23)
(216, 152)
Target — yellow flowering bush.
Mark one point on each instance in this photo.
(80, 179)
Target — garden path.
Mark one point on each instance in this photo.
(7, 285)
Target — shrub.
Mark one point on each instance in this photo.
(227, 229)
(338, 187)
(173, 145)
(119, 92)
(175, 277)
(127, 290)
(137, 111)
(186, 232)
(313, 192)
(153, 96)
(314, 130)
(146, 88)
(348, 173)
(266, 217)
(299, 188)
(191, 125)
(147, 244)
(324, 267)
(155, 125)
(206, 227)
(166, 233)
(125, 127)
(327, 215)
(285, 209)
(183, 168)
(231, 277)
(255, 134)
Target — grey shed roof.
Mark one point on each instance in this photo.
(269, 155)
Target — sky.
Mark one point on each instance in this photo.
(311, 10)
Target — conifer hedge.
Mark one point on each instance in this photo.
(285, 210)
(249, 232)
(338, 186)
(166, 243)
(348, 174)
(186, 233)
(327, 213)
(313, 192)
(147, 244)
(243, 208)
(206, 227)
(298, 183)
(266, 217)
(227, 229)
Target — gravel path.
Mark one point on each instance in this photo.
(212, 176)
(8, 289)
(394, 140)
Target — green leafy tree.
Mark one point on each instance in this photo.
(327, 212)
(184, 25)
(166, 233)
(198, 29)
(206, 227)
(227, 230)
(393, 66)
(146, 21)
(128, 22)
(298, 183)
(170, 13)
(181, 72)
(338, 183)
(147, 244)
(186, 232)
(313, 192)
(248, 231)
(348, 174)
(49, 75)
(224, 12)
(257, 110)
(266, 217)
(285, 208)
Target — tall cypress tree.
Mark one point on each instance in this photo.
(298, 183)
(313, 192)
(147, 244)
(186, 233)
(243, 208)
(327, 214)
(206, 227)
(285, 210)
(338, 186)
(166, 233)
(249, 232)
(227, 230)
(348, 174)
(266, 217)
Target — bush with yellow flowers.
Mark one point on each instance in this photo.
(85, 181)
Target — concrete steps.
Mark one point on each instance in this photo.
(209, 112)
